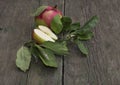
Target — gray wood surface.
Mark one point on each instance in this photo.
(101, 67)
(14, 17)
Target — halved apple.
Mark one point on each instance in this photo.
(47, 31)
(41, 37)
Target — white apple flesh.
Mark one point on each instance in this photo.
(41, 37)
(47, 31)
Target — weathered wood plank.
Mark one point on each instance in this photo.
(39, 74)
(102, 65)
(100, 68)
(15, 16)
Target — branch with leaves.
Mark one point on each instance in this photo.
(46, 51)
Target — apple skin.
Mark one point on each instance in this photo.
(36, 38)
(40, 21)
(47, 16)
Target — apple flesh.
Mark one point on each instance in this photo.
(47, 16)
(48, 31)
(42, 34)
(41, 37)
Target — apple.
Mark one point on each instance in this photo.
(48, 31)
(41, 37)
(42, 34)
(47, 16)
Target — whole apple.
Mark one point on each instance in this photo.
(47, 16)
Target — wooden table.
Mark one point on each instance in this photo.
(101, 67)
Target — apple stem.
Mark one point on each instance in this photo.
(55, 6)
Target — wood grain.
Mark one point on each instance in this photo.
(17, 23)
(102, 65)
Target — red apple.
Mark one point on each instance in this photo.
(47, 15)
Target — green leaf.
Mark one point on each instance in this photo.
(74, 26)
(59, 48)
(47, 56)
(23, 58)
(39, 10)
(56, 24)
(87, 36)
(82, 48)
(66, 21)
(29, 43)
(88, 25)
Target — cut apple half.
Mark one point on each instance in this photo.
(47, 31)
(41, 37)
